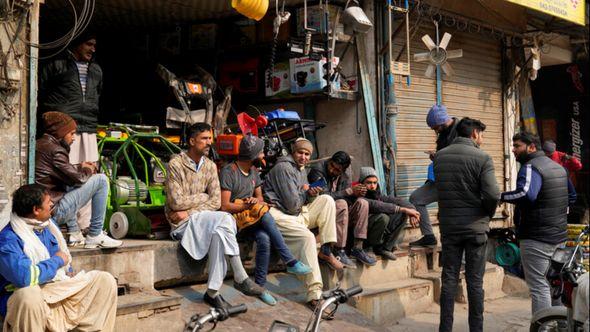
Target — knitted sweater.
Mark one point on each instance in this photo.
(190, 190)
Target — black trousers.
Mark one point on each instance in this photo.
(453, 246)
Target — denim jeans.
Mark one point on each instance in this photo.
(96, 190)
(266, 234)
(536, 257)
(421, 197)
(453, 247)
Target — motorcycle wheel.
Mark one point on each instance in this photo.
(549, 323)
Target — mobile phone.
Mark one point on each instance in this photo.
(319, 183)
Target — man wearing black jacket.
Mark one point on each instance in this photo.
(388, 216)
(72, 84)
(468, 195)
(352, 211)
(445, 128)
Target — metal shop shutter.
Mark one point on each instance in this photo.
(474, 91)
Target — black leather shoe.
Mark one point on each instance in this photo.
(217, 302)
(425, 241)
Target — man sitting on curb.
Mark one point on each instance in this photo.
(351, 209)
(71, 188)
(388, 216)
(241, 195)
(38, 291)
(193, 196)
(297, 208)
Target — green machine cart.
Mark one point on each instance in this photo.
(134, 159)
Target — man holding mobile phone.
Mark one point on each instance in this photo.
(352, 210)
(445, 128)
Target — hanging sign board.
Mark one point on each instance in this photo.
(569, 10)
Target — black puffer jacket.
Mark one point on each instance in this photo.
(60, 90)
(467, 190)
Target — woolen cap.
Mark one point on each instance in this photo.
(367, 172)
(302, 143)
(250, 147)
(437, 115)
(58, 124)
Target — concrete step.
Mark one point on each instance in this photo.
(384, 271)
(386, 303)
(132, 264)
(149, 312)
(492, 283)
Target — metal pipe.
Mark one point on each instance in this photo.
(33, 66)
(390, 107)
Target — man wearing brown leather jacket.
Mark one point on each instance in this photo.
(71, 187)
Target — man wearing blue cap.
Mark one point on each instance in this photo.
(445, 128)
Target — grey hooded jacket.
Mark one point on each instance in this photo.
(283, 186)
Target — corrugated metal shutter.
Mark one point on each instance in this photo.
(474, 91)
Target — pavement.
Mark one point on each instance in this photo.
(510, 314)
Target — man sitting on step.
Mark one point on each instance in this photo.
(388, 216)
(38, 290)
(297, 208)
(69, 186)
(193, 196)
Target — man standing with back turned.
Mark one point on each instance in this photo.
(468, 195)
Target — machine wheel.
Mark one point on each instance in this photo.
(119, 225)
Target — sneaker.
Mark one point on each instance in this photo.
(425, 241)
(362, 257)
(343, 258)
(385, 254)
(217, 302)
(102, 240)
(299, 269)
(267, 298)
(332, 261)
(249, 287)
(76, 239)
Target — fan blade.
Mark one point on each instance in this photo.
(429, 71)
(452, 54)
(446, 67)
(445, 41)
(428, 42)
(420, 57)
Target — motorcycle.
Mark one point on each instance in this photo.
(332, 297)
(565, 274)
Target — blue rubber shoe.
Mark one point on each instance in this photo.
(267, 298)
(363, 257)
(299, 269)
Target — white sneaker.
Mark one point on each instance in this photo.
(76, 239)
(102, 240)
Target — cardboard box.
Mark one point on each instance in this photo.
(315, 18)
(280, 80)
(307, 75)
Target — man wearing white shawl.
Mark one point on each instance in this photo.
(38, 290)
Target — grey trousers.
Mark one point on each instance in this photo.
(535, 257)
(421, 197)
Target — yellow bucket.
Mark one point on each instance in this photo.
(254, 9)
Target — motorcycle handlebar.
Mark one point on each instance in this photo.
(353, 291)
(237, 309)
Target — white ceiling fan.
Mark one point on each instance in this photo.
(437, 54)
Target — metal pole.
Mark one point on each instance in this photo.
(33, 65)
(391, 106)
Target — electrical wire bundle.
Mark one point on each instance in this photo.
(81, 22)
